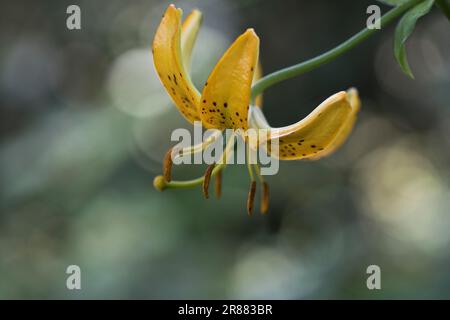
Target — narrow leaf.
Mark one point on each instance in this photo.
(404, 29)
(444, 5)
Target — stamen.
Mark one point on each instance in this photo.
(167, 166)
(218, 184)
(249, 165)
(159, 183)
(265, 198)
(264, 206)
(251, 198)
(207, 179)
(200, 146)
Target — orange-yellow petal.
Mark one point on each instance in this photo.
(168, 60)
(341, 137)
(226, 96)
(314, 136)
(189, 32)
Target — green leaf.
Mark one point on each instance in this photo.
(444, 5)
(394, 3)
(404, 29)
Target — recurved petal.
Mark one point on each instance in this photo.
(226, 96)
(189, 32)
(168, 60)
(315, 135)
(341, 137)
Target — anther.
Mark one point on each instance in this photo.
(167, 166)
(251, 198)
(206, 180)
(265, 198)
(218, 185)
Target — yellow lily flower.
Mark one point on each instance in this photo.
(225, 101)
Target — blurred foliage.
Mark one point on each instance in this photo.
(84, 125)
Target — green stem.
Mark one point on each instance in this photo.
(295, 70)
(194, 182)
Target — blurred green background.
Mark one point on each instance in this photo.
(85, 123)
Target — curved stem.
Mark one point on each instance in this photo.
(194, 182)
(295, 70)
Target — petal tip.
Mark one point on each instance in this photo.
(173, 9)
(251, 32)
(250, 37)
(196, 12)
(353, 98)
(341, 96)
